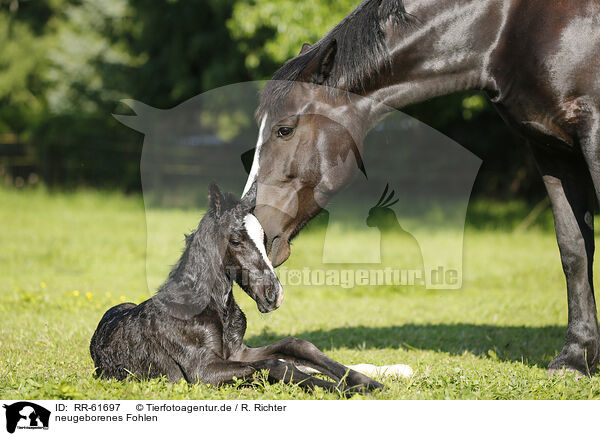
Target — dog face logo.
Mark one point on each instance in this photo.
(26, 415)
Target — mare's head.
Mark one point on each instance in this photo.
(309, 148)
(312, 121)
(239, 238)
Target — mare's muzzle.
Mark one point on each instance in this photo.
(280, 250)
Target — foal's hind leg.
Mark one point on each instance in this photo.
(570, 189)
(304, 353)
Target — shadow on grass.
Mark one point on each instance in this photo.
(531, 345)
(481, 215)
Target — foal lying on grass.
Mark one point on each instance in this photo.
(193, 329)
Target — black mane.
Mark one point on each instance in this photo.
(361, 50)
(200, 264)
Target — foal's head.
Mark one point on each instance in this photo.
(239, 238)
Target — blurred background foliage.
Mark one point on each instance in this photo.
(65, 64)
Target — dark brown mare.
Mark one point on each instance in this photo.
(538, 61)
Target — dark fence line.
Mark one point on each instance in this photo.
(114, 162)
(18, 164)
(101, 162)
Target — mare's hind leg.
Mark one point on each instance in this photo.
(571, 193)
(590, 146)
(304, 353)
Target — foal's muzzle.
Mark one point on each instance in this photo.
(272, 297)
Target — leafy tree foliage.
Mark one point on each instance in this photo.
(288, 24)
(65, 64)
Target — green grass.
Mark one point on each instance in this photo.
(66, 258)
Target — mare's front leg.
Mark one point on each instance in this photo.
(305, 353)
(571, 193)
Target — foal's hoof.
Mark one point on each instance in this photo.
(375, 385)
(363, 388)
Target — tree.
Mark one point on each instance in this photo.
(284, 25)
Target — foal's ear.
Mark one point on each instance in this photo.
(305, 47)
(215, 199)
(249, 199)
(320, 68)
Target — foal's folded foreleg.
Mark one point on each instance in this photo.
(221, 372)
(304, 353)
(289, 373)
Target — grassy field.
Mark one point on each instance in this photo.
(66, 258)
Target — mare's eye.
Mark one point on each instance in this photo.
(284, 131)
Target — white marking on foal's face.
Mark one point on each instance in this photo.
(257, 234)
(255, 165)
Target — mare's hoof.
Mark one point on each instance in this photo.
(575, 359)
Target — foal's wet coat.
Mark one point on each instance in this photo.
(193, 329)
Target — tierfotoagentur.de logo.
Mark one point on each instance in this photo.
(24, 415)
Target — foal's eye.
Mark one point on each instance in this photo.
(284, 131)
(234, 242)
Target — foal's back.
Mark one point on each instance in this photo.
(149, 340)
(127, 341)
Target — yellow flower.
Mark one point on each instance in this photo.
(42, 285)
(88, 295)
(76, 293)
(123, 298)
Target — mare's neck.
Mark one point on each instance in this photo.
(446, 52)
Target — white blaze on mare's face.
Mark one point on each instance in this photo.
(255, 165)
